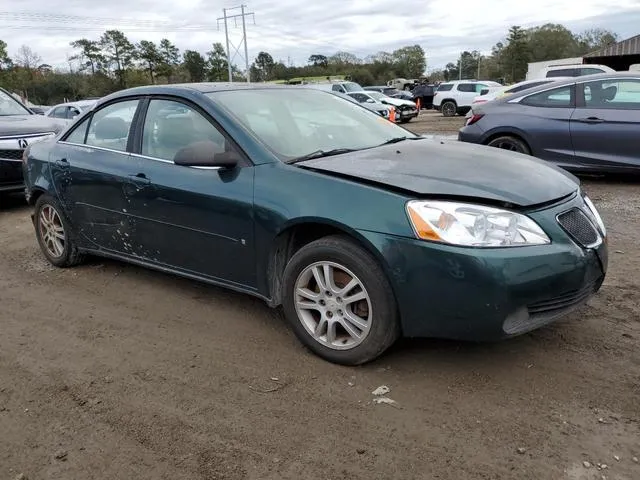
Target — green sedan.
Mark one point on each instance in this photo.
(360, 230)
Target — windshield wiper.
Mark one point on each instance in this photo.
(320, 154)
(399, 139)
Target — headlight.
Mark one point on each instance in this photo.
(595, 215)
(472, 225)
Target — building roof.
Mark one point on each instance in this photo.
(630, 46)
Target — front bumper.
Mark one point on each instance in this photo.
(11, 179)
(489, 294)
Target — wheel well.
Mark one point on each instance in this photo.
(287, 243)
(449, 100)
(35, 195)
(506, 134)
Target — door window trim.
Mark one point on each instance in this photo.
(139, 129)
(90, 115)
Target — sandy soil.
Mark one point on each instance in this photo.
(109, 371)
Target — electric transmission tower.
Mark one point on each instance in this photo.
(226, 18)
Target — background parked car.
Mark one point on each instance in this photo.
(70, 110)
(380, 108)
(19, 127)
(578, 70)
(336, 86)
(391, 92)
(405, 109)
(455, 98)
(589, 123)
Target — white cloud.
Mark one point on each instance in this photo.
(293, 29)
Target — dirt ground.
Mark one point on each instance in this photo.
(109, 371)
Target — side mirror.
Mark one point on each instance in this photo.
(370, 100)
(202, 154)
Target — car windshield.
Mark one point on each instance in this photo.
(294, 122)
(11, 106)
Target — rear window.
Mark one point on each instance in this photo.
(519, 88)
(563, 72)
(445, 87)
(466, 87)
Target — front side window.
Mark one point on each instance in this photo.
(555, 98)
(59, 112)
(360, 97)
(295, 123)
(338, 88)
(170, 126)
(110, 126)
(621, 94)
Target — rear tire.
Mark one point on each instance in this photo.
(511, 143)
(54, 234)
(449, 108)
(339, 302)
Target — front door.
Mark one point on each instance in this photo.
(93, 176)
(198, 220)
(605, 127)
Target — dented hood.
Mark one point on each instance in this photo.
(453, 169)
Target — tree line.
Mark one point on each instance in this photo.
(112, 62)
(510, 57)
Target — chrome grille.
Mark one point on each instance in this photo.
(579, 227)
(11, 154)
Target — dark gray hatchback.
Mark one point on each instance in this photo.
(590, 123)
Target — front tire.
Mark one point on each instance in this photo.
(54, 234)
(339, 302)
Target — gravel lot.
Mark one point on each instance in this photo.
(109, 371)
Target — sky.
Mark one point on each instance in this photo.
(292, 30)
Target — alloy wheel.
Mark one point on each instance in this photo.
(333, 305)
(52, 231)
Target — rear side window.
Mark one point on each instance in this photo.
(79, 133)
(467, 87)
(110, 126)
(445, 87)
(564, 72)
(561, 97)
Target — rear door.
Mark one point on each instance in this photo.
(605, 127)
(465, 94)
(94, 175)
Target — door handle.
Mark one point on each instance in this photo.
(139, 178)
(62, 163)
(591, 120)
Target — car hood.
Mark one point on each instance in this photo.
(13, 125)
(453, 169)
(398, 101)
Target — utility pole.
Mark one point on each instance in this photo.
(460, 68)
(226, 17)
(226, 34)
